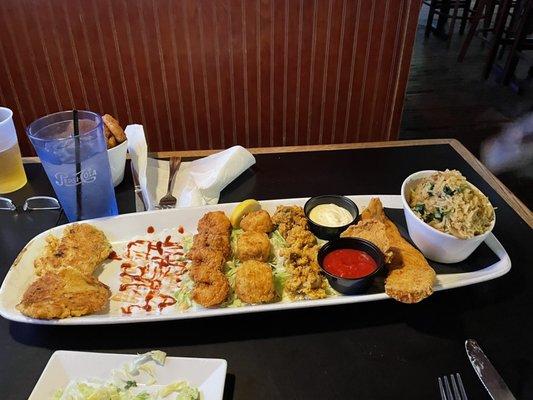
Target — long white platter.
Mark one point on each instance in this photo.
(121, 229)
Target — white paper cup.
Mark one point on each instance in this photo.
(434, 244)
(117, 162)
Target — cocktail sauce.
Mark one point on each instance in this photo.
(349, 263)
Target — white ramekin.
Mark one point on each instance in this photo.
(117, 161)
(434, 244)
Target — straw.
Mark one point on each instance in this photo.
(78, 163)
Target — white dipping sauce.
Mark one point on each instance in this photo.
(330, 215)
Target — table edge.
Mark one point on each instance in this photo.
(509, 197)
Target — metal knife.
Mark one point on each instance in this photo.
(488, 375)
(139, 200)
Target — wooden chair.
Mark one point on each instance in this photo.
(442, 9)
(520, 29)
(483, 10)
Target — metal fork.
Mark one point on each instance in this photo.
(457, 385)
(169, 201)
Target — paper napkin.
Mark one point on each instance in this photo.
(197, 183)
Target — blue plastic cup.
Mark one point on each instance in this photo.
(77, 166)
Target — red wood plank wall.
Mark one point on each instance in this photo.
(212, 73)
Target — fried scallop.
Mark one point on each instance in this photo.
(257, 221)
(65, 292)
(254, 282)
(253, 246)
(212, 241)
(211, 287)
(287, 217)
(215, 222)
(82, 247)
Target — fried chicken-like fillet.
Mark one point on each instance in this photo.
(410, 278)
(82, 247)
(62, 293)
(254, 282)
(215, 222)
(374, 231)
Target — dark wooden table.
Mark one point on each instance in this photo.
(377, 350)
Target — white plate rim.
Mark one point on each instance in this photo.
(444, 281)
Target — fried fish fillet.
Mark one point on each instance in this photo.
(374, 231)
(410, 278)
(82, 247)
(65, 292)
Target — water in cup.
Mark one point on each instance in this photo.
(84, 189)
(12, 175)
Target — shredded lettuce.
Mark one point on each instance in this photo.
(131, 382)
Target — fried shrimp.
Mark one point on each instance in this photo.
(287, 217)
(257, 221)
(215, 222)
(205, 256)
(254, 282)
(300, 238)
(212, 241)
(211, 287)
(253, 246)
(82, 247)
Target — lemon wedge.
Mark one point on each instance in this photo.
(243, 208)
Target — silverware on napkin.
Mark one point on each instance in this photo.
(169, 201)
(486, 372)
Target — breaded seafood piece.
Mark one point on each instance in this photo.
(374, 231)
(257, 221)
(211, 241)
(210, 258)
(82, 247)
(215, 222)
(410, 278)
(300, 238)
(305, 282)
(254, 282)
(253, 246)
(211, 288)
(287, 217)
(63, 293)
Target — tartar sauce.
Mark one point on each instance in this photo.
(330, 215)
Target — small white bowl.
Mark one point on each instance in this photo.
(434, 244)
(117, 161)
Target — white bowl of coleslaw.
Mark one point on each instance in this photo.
(433, 243)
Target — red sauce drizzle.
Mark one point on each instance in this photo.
(114, 256)
(349, 263)
(152, 262)
(150, 229)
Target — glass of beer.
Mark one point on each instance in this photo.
(12, 175)
(77, 165)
